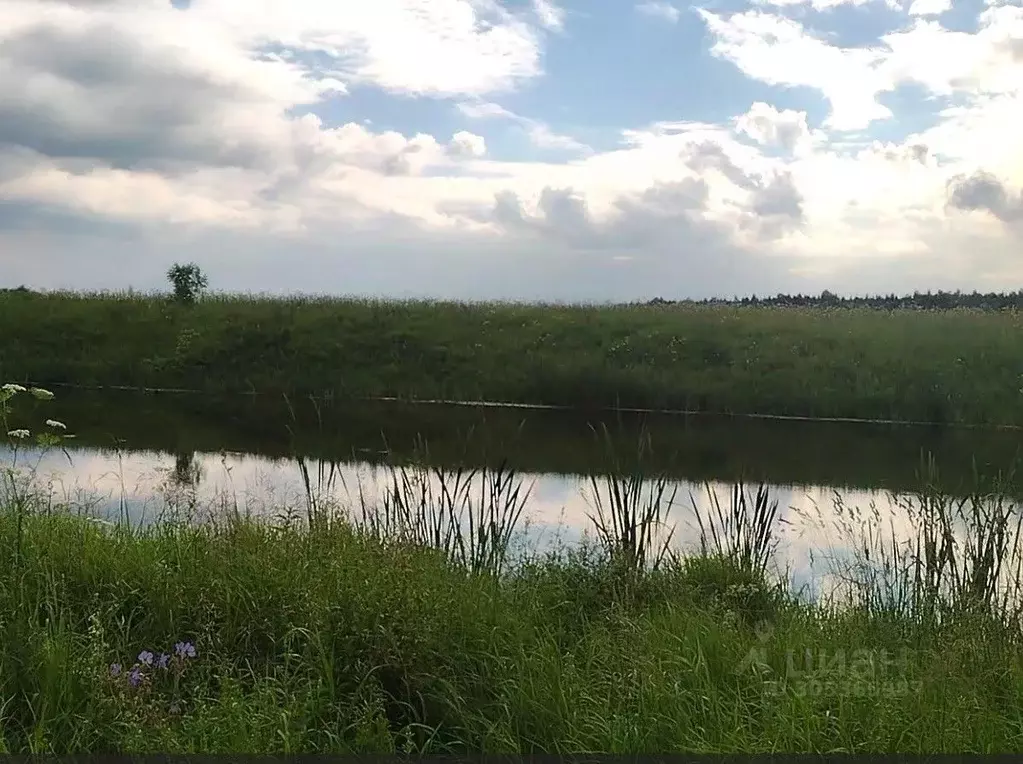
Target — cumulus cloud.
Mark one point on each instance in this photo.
(915, 152)
(778, 198)
(781, 51)
(773, 205)
(465, 144)
(770, 127)
(550, 16)
(948, 62)
(72, 88)
(758, 208)
(210, 128)
(929, 7)
(421, 47)
(660, 239)
(776, 208)
(983, 191)
(659, 9)
(709, 155)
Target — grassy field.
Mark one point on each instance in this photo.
(951, 366)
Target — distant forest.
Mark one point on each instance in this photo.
(993, 301)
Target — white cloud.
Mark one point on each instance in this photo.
(539, 133)
(982, 134)
(465, 144)
(770, 127)
(550, 15)
(929, 7)
(824, 5)
(71, 88)
(660, 10)
(543, 137)
(875, 203)
(947, 62)
(485, 110)
(423, 47)
(780, 51)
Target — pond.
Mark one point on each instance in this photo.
(136, 454)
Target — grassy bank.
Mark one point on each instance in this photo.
(953, 366)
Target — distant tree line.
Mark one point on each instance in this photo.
(940, 300)
(189, 283)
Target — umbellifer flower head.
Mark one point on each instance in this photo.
(19, 434)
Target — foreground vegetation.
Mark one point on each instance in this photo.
(425, 625)
(948, 366)
(289, 639)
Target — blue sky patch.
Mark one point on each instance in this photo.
(613, 67)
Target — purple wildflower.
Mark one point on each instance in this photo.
(135, 676)
(115, 669)
(161, 662)
(184, 650)
(146, 658)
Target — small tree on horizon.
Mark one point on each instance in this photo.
(188, 281)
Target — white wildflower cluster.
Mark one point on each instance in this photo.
(7, 392)
(10, 390)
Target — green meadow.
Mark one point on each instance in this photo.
(950, 366)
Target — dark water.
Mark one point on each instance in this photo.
(134, 453)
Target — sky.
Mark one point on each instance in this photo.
(556, 150)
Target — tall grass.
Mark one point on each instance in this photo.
(934, 557)
(744, 532)
(470, 515)
(631, 507)
(955, 366)
(630, 515)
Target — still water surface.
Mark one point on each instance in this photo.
(135, 454)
